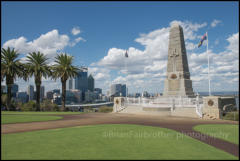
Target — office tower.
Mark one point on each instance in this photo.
(30, 92)
(22, 97)
(90, 83)
(118, 90)
(49, 95)
(98, 90)
(41, 93)
(14, 90)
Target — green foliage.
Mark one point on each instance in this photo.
(37, 66)
(63, 69)
(3, 100)
(105, 109)
(88, 109)
(11, 68)
(232, 116)
(29, 106)
(47, 105)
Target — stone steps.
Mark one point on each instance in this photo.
(139, 110)
(185, 112)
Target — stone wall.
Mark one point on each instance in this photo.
(214, 107)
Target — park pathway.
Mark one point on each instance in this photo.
(180, 124)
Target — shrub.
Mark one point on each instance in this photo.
(88, 109)
(105, 109)
(29, 106)
(47, 105)
(232, 116)
(4, 99)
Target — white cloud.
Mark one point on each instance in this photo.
(49, 44)
(76, 31)
(76, 41)
(147, 67)
(233, 43)
(189, 28)
(153, 59)
(190, 46)
(215, 23)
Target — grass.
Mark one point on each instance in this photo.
(224, 131)
(113, 141)
(40, 113)
(21, 117)
(6, 119)
(232, 116)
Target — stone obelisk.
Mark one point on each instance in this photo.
(178, 81)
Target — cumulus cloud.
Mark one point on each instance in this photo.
(76, 41)
(149, 65)
(76, 30)
(49, 43)
(215, 23)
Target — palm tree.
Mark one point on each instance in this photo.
(11, 68)
(37, 66)
(64, 70)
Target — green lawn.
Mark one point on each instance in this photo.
(20, 117)
(6, 119)
(41, 113)
(224, 131)
(107, 142)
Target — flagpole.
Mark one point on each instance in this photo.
(209, 82)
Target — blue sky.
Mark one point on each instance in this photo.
(117, 25)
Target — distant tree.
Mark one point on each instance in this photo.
(64, 69)
(37, 67)
(11, 68)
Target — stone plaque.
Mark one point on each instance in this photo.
(173, 85)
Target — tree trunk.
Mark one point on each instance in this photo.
(63, 95)
(9, 96)
(9, 82)
(38, 85)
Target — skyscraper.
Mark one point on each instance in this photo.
(14, 90)
(49, 95)
(118, 90)
(79, 82)
(98, 90)
(90, 83)
(41, 93)
(22, 97)
(30, 92)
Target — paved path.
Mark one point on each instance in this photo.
(180, 124)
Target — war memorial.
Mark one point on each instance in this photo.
(178, 97)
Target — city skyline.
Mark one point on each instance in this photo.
(97, 34)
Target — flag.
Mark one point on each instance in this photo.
(203, 38)
(126, 54)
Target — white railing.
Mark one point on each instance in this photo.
(172, 102)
